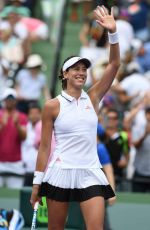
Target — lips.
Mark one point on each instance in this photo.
(80, 78)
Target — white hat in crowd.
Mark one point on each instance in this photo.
(133, 66)
(9, 92)
(34, 60)
(136, 44)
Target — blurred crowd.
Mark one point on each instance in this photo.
(124, 113)
(23, 84)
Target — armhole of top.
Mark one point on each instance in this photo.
(59, 98)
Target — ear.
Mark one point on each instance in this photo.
(65, 75)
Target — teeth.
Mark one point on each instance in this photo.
(80, 78)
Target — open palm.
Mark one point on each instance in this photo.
(105, 19)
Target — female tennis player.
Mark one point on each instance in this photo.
(74, 172)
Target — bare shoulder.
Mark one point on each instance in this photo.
(51, 104)
(51, 107)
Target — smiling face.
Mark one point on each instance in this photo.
(76, 75)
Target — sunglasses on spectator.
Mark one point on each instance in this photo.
(112, 117)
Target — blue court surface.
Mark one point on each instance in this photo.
(131, 211)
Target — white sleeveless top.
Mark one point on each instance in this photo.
(75, 131)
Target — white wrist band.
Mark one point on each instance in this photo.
(38, 177)
(113, 38)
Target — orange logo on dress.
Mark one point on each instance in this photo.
(58, 159)
(88, 107)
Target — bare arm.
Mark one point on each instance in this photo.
(49, 114)
(46, 93)
(108, 169)
(20, 128)
(128, 119)
(97, 91)
(83, 35)
(140, 141)
(46, 134)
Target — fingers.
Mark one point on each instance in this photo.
(33, 202)
(105, 10)
(112, 200)
(98, 14)
(112, 11)
(101, 11)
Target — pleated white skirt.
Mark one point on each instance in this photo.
(75, 184)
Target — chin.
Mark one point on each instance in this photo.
(79, 86)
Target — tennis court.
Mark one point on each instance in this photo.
(130, 212)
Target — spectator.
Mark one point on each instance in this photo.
(141, 140)
(12, 133)
(125, 30)
(142, 56)
(25, 27)
(91, 34)
(5, 77)
(37, 29)
(29, 151)
(13, 16)
(98, 69)
(31, 83)
(138, 10)
(117, 144)
(18, 4)
(10, 44)
(87, 7)
(133, 92)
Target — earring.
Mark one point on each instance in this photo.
(64, 78)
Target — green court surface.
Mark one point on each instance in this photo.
(131, 211)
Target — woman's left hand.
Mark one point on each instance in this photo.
(111, 200)
(105, 19)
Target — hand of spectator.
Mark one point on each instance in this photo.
(122, 163)
(146, 99)
(4, 119)
(105, 19)
(16, 118)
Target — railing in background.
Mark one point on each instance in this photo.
(59, 43)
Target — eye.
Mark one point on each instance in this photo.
(76, 68)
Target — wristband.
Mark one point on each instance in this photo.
(113, 38)
(38, 177)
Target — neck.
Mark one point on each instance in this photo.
(110, 131)
(74, 92)
(10, 110)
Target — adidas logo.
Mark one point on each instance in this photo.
(88, 107)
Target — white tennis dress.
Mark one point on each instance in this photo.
(74, 172)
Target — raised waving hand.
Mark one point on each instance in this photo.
(105, 19)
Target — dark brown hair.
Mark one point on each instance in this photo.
(61, 76)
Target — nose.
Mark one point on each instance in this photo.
(82, 72)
